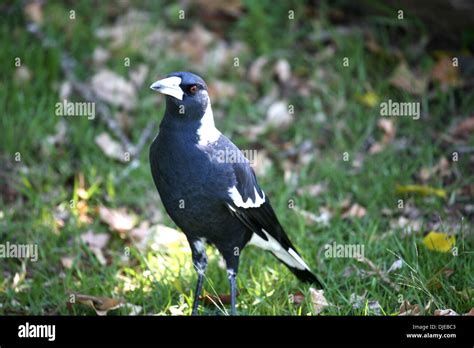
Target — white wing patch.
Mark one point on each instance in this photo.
(238, 201)
(207, 132)
(290, 257)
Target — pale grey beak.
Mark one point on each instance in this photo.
(169, 86)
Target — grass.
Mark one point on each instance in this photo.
(46, 177)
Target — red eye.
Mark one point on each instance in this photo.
(193, 89)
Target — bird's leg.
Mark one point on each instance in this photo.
(197, 293)
(233, 289)
(198, 249)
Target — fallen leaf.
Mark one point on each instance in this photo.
(114, 89)
(445, 73)
(220, 90)
(117, 219)
(388, 128)
(318, 300)
(420, 190)
(282, 70)
(355, 210)
(67, 262)
(278, 115)
(256, 69)
(95, 240)
(100, 55)
(212, 300)
(322, 219)
(110, 147)
(369, 99)
(439, 241)
(141, 232)
(22, 75)
(464, 128)
(404, 79)
(298, 298)
(312, 190)
(445, 312)
(34, 11)
(101, 305)
(217, 7)
(408, 309)
(470, 313)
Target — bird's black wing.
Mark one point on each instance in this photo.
(248, 203)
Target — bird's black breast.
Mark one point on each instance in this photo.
(191, 186)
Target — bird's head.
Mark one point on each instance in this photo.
(186, 93)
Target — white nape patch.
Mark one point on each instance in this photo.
(169, 86)
(238, 201)
(290, 257)
(207, 131)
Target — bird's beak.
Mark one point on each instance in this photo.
(169, 86)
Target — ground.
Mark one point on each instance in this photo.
(337, 171)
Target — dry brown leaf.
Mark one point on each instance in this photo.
(229, 7)
(141, 232)
(323, 218)
(114, 89)
(101, 305)
(318, 300)
(221, 90)
(95, 240)
(117, 219)
(67, 262)
(470, 313)
(110, 147)
(256, 69)
(445, 73)
(312, 190)
(388, 128)
(445, 313)
(404, 79)
(22, 75)
(408, 309)
(464, 128)
(355, 210)
(298, 297)
(34, 11)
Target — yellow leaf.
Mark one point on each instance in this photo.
(439, 241)
(369, 99)
(421, 190)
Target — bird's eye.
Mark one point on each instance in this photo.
(193, 89)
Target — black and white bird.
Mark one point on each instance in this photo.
(211, 199)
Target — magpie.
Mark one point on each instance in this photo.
(213, 199)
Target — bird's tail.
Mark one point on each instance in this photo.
(302, 273)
